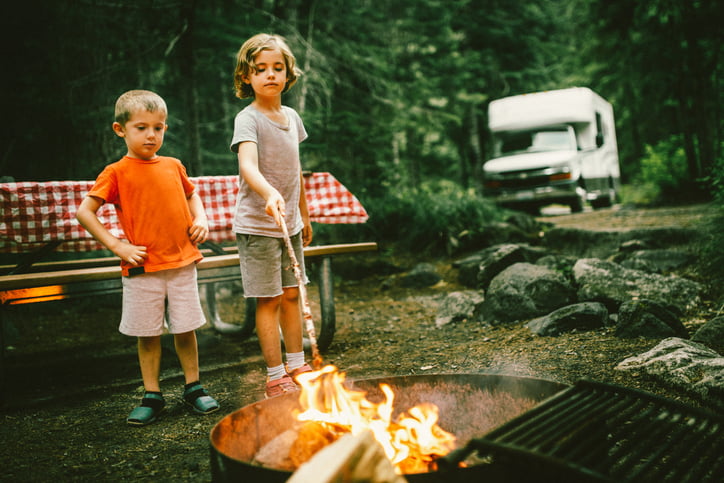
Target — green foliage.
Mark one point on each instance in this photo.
(663, 172)
(438, 218)
(658, 62)
(712, 253)
(639, 194)
(716, 182)
(394, 94)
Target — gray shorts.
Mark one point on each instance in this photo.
(266, 268)
(144, 302)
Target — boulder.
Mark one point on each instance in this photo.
(646, 318)
(603, 244)
(459, 306)
(559, 263)
(689, 366)
(654, 261)
(582, 316)
(610, 283)
(422, 275)
(477, 270)
(524, 291)
(582, 243)
(711, 334)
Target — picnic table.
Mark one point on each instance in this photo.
(36, 214)
(39, 217)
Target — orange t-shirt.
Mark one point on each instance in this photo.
(151, 200)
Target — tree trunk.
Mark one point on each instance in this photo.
(307, 57)
(190, 94)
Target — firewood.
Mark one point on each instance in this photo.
(351, 459)
(313, 436)
(275, 454)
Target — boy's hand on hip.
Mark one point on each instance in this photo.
(135, 255)
(198, 232)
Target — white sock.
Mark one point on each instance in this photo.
(295, 360)
(275, 373)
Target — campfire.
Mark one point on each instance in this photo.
(412, 441)
(328, 409)
(509, 428)
(415, 419)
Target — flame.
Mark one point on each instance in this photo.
(412, 441)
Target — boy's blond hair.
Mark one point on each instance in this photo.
(135, 100)
(246, 62)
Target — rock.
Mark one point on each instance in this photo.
(646, 318)
(612, 284)
(559, 263)
(654, 261)
(528, 224)
(711, 334)
(459, 306)
(524, 291)
(496, 261)
(582, 316)
(581, 243)
(469, 267)
(629, 246)
(602, 244)
(477, 270)
(662, 237)
(497, 233)
(686, 365)
(422, 275)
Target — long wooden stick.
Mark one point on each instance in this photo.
(308, 321)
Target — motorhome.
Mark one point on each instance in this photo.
(552, 147)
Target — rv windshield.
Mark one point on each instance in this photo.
(551, 139)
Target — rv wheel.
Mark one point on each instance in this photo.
(576, 205)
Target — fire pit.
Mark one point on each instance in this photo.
(469, 405)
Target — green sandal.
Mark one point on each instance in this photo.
(151, 407)
(198, 399)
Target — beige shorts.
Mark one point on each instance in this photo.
(144, 303)
(266, 268)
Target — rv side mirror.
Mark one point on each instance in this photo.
(599, 139)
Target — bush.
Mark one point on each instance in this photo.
(664, 171)
(713, 255)
(440, 217)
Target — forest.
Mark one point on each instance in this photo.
(394, 94)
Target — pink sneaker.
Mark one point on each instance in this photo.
(280, 387)
(299, 370)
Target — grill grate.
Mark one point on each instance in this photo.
(601, 432)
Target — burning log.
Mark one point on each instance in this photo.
(276, 453)
(351, 458)
(312, 437)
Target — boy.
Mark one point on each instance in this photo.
(163, 220)
(271, 192)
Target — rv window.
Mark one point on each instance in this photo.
(536, 141)
(599, 130)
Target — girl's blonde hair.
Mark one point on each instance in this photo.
(135, 100)
(246, 62)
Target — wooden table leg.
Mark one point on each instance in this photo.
(326, 299)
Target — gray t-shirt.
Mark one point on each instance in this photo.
(278, 148)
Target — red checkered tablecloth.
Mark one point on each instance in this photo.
(33, 214)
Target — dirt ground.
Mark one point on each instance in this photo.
(72, 379)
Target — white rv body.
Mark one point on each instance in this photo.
(552, 147)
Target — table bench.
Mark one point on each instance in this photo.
(38, 218)
(50, 281)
